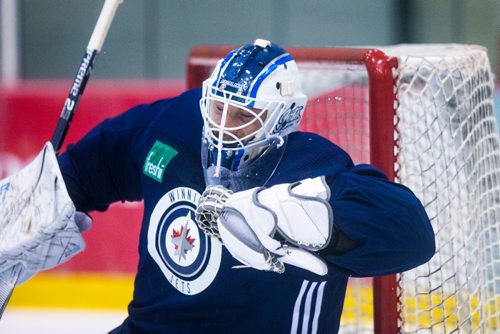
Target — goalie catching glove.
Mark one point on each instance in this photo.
(265, 228)
(39, 227)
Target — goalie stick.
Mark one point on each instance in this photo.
(9, 278)
(95, 44)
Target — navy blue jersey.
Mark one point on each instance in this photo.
(185, 281)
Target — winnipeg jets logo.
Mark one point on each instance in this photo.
(188, 259)
(181, 240)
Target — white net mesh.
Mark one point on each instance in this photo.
(448, 154)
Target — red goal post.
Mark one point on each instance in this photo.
(416, 112)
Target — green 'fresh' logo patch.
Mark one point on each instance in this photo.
(157, 160)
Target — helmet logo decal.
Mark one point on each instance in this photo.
(289, 118)
(237, 85)
(187, 257)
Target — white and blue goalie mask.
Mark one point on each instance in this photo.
(250, 103)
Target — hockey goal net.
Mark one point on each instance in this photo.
(424, 114)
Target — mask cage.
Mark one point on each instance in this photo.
(232, 122)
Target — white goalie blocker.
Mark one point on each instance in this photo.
(38, 221)
(266, 228)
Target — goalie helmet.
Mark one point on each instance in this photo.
(249, 104)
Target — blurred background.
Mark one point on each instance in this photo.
(143, 59)
(150, 39)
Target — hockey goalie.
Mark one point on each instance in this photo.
(249, 225)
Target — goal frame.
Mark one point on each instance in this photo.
(382, 76)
